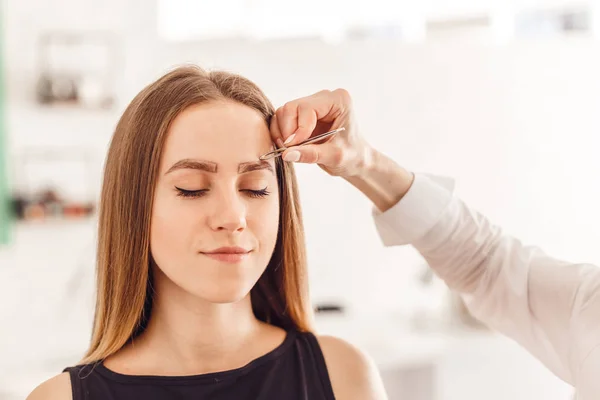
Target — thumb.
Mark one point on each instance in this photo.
(314, 154)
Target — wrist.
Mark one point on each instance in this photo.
(367, 164)
(363, 165)
(381, 179)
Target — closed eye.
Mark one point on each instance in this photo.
(191, 193)
(257, 193)
(199, 193)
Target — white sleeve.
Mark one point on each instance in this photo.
(551, 307)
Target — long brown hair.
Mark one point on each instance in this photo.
(124, 278)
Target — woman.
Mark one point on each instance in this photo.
(201, 263)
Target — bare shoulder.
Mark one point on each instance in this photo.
(56, 388)
(352, 372)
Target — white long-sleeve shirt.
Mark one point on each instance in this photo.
(551, 307)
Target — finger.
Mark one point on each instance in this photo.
(275, 131)
(305, 124)
(299, 117)
(330, 104)
(287, 117)
(314, 154)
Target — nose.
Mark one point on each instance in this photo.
(229, 213)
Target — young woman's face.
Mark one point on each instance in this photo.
(216, 206)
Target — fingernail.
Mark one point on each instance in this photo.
(279, 142)
(289, 140)
(292, 156)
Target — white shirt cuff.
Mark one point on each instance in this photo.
(417, 212)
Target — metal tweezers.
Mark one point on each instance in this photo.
(279, 152)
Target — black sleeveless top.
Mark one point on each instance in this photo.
(295, 370)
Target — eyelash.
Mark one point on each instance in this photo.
(199, 193)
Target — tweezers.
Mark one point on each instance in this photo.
(279, 152)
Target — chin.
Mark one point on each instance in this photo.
(223, 295)
(227, 283)
(220, 291)
(217, 283)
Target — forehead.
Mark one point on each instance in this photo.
(218, 130)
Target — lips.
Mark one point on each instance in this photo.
(228, 254)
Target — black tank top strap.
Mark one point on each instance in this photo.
(78, 375)
(76, 386)
(318, 361)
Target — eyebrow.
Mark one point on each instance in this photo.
(212, 167)
(255, 166)
(193, 164)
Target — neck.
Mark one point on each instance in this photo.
(190, 335)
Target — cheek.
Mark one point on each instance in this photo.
(263, 221)
(170, 229)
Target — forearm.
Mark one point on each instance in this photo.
(381, 179)
(535, 299)
(549, 306)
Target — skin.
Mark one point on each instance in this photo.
(191, 331)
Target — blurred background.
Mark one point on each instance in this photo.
(503, 96)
